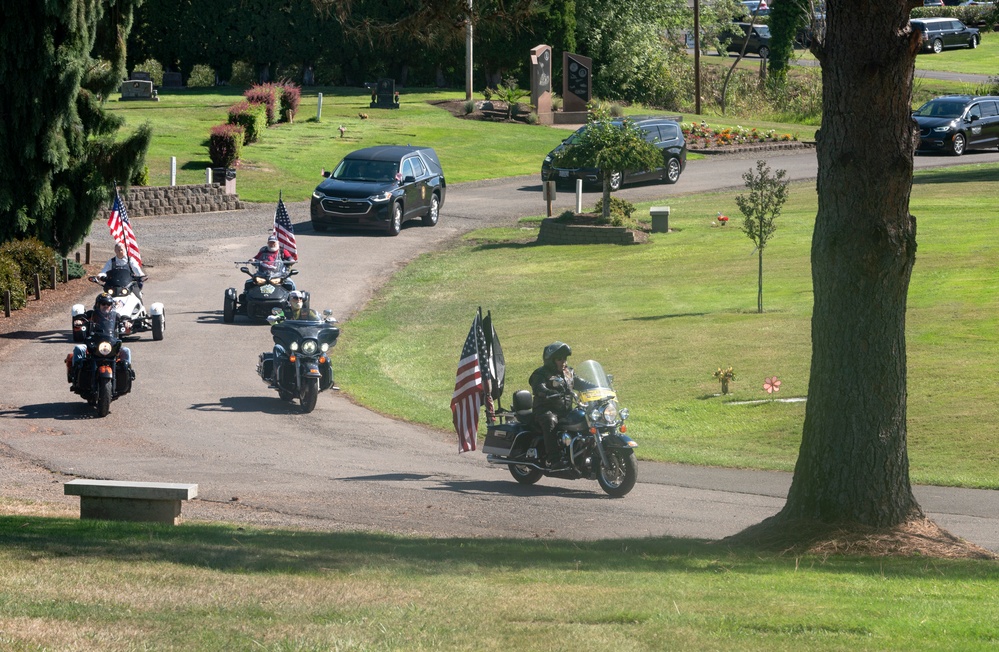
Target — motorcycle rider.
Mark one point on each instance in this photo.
(273, 253)
(121, 260)
(101, 319)
(552, 385)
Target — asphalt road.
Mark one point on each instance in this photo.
(198, 412)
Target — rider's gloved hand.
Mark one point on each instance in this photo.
(271, 319)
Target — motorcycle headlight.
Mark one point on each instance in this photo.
(624, 413)
(104, 348)
(276, 281)
(610, 412)
(294, 346)
(325, 347)
(259, 280)
(595, 415)
(123, 292)
(382, 196)
(309, 347)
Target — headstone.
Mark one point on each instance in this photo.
(541, 83)
(141, 75)
(577, 82)
(385, 96)
(136, 89)
(172, 80)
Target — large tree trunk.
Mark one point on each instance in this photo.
(853, 464)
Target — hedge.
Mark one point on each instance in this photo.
(225, 145)
(32, 257)
(10, 279)
(251, 117)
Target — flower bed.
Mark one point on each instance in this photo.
(700, 135)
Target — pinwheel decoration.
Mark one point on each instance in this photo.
(772, 385)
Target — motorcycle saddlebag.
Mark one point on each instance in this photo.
(500, 438)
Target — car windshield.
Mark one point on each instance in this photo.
(763, 31)
(941, 109)
(365, 170)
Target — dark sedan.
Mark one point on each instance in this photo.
(381, 187)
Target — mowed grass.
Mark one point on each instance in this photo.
(663, 316)
(67, 584)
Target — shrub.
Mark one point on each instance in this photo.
(291, 95)
(201, 76)
(32, 257)
(616, 110)
(566, 216)
(469, 106)
(621, 211)
(266, 94)
(75, 269)
(154, 68)
(487, 94)
(531, 118)
(556, 102)
(141, 177)
(251, 117)
(225, 145)
(10, 279)
(242, 74)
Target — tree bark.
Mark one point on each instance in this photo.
(853, 463)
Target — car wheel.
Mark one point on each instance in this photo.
(430, 219)
(395, 226)
(937, 46)
(615, 181)
(958, 145)
(672, 173)
(974, 42)
(764, 52)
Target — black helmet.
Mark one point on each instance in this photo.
(556, 350)
(104, 299)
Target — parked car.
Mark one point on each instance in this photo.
(381, 187)
(738, 33)
(957, 123)
(933, 3)
(664, 133)
(749, 6)
(941, 33)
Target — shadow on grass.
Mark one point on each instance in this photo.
(673, 316)
(229, 548)
(947, 175)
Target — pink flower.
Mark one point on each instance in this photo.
(771, 385)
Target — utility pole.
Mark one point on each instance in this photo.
(697, 56)
(468, 53)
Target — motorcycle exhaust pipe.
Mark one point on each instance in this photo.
(493, 459)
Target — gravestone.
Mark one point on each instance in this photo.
(172, 80)
(141, 75)
(577, 81)
(541, 83)
(385, 96)
(137, 89)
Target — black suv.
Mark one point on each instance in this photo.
(381, 187)
(662, 132)
(738, 33)
(956, 123)
(940, 33)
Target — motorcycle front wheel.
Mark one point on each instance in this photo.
(525, 474)
(619, 477)
(310, 393)
(104, 397)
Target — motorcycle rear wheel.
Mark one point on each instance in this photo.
(620, 476)
(310, 394)
(104, 397)
(525, 474)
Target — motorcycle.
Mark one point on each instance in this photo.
(592, 434)
(300, 367)
(121, 285)
(266, 289)
(102, 375)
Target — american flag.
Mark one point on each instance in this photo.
(121, 228)
(467, 398)
(284, 230)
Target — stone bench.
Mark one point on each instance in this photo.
(114, 500)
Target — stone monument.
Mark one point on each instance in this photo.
(384, 95)
(541, 83)
(577, 87)
(138, 89)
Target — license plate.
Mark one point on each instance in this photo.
(564, 174)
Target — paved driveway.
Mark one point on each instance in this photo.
(198, 413)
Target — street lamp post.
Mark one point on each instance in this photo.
(468, 53)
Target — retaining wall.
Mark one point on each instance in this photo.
(556, 233)
(177, 200)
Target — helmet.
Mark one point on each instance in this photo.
(272, 238)
(556, 350)
(104, 299)
(296, 294)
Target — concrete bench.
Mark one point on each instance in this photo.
(114, 500)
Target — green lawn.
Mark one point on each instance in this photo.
(99, 586)
(663, 316)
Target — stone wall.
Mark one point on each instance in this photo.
(556, 233)
(177, 200)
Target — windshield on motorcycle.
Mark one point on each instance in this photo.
(104, 325)
(277, 268)
(118, 278)
(592, 383)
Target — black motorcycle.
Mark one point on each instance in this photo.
(592, 434)
(300, 367)
(101, 376)
(267, 288)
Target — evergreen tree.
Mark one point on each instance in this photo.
(59, 148)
